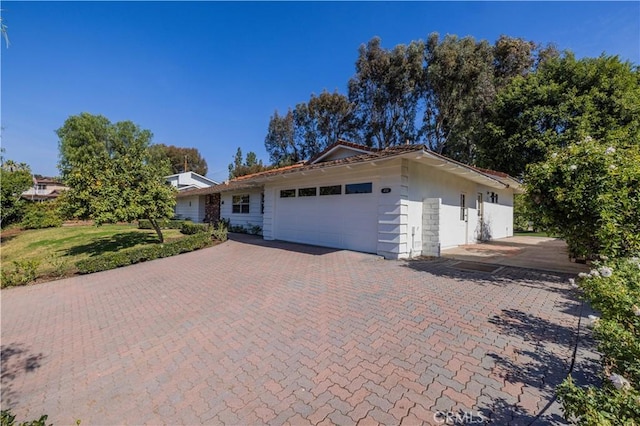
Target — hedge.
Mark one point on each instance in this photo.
(141, 254)
(190, 228)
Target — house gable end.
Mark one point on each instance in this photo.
(340, 150)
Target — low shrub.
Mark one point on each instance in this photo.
(7, 418)
(42, 215)
(613, 289)
(141, 254)
(23, 272)
(190, 228)
(249, 229)
(60, 266)
(220, 232)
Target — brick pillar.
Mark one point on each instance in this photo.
(212, 208)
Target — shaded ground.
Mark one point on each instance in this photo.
(252, 332)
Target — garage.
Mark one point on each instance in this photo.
(333, 215)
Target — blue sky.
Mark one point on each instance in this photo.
(210, 74)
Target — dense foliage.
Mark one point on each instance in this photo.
(42, 215)
(20, 272)
(111, 173)
(589, 193)
(250, 165)
(15, 178)
(386, 89)
(563, 101)
(179, 156)
(436, 92)
(614, 290)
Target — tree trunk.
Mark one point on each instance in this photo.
(156, 227)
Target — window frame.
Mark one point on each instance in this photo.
(312, 191)
(287, 191)
(239, 202)
(339, 187)
(347, 192)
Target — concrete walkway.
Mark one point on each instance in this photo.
(251, 332)
(540, 253)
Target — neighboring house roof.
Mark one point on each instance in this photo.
(363, 154)
(52, 189)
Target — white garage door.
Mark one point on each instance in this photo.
(345, 220)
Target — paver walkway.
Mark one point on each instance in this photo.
(541, 253)
(250, 332)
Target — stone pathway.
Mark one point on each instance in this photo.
(252, 332)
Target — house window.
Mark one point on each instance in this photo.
(262, 203)
(463, 207)
(307, 192)
(41, 187)
(287, 193)
(331, 190)
(358, 188)
(240, 203)
(493, 197)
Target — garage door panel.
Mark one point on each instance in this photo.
(346, 221)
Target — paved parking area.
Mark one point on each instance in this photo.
(540, 253)
(250, 332)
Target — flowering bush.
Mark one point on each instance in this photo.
(614, 290)
(589, 193)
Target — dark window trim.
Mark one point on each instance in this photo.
(291, 193)
(330, 188)
(308, 192)
(368, 190)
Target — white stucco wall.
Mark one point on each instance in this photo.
(498, 217)
(389, 224)
(427, 182)
(431, 182)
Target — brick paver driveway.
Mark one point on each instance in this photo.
(251, 333)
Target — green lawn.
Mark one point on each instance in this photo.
(58, 249)
(533, 234)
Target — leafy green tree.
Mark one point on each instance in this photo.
(386, 91)
(324, 120)
(15, 178)
(178, 156)
(459, 87)
(109, 171)
(589, 193)
(250, 165)
(280, 141)
(517, 57)
(563, 101)
(310, 128)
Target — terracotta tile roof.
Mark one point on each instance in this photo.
(492, 172)
(257, 179)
